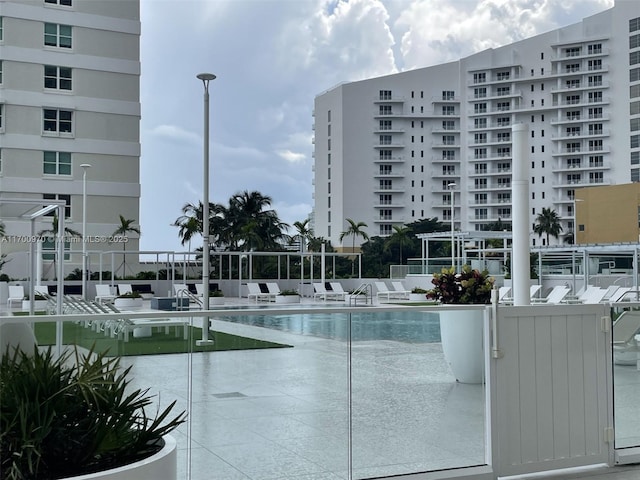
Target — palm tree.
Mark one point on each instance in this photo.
(354, 230)
(400, 235)
(126, 226)
(547, 223)
(304, 233)
(53, 232)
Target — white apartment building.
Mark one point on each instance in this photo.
(69, 96)
(393, 150)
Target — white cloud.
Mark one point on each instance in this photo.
(290, 156)
(176, 134)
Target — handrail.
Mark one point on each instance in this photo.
(365, 289)
(185, 293)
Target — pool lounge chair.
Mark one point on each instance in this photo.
(274, 290)
(16, 294)
(124, 288)
(383, 291)
(256, 293)
(399, 288)
(320, 291)
(104, 294)
(336, 287)
(556, 295)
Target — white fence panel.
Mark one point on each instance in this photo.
(552, 387)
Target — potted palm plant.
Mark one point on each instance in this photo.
(76, 417)
(461, 331)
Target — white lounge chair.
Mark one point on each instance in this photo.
(321, 292)
(16, 294)
(256, 293)
(556, 295)
(124, 288)
(625, 294)
(336, 287)
(503, 294)
(274, 290)
(383, 291)
(399, 288)
(104, 294)
(590, 295)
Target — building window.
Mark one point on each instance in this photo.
(634, 58)
(385, 94)
(57, 35)
(56, 163)
(479, 77)
(0, 71)
(65, 198)
(1, 122)
(503, 106)
(385, 109)
(49, 249)
(448, 110)
(634, 24)
(480, 213)
(1, 30)
(480, 92)
(480, 108)
(57, 77)
(385, 229)
(66, 3)
(448, 95)
(502, 76)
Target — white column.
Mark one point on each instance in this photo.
(520, 262)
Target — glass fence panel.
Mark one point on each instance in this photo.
(626, 375)
(280, 411)
(409, 413)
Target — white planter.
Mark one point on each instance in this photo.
(418, 297)
(287, 298)
(216, 301)
(161, 466)
(39, 305)
(461, 332)
(128, 302)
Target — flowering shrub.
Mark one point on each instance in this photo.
(467, 287)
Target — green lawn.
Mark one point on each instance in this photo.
(159, 343)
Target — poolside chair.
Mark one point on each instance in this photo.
(124, 288)
(503, 294)
(534, 291)
(399, 288)
(104, 294)
(590, 295)
(556, 295)
(625, 345)
(625, 294)
(16, 294)
(274, 290)
(336, 288)
(383, 291)
(611, 291)
(256, 293)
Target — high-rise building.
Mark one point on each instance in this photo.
(393, 150)
(69, 96)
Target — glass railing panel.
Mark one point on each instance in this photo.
(410, 414)
(626, 374)
(279, 411)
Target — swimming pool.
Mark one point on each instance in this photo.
(409, 327)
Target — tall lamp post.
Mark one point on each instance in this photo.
(206, 78)
(85, 167)
(453, 245)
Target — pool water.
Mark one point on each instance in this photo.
(409, 327)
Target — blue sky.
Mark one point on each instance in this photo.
(272, 57)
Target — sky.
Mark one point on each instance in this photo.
(271, 59)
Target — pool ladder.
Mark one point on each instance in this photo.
(363, 292)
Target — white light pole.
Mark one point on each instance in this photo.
(84, 166)
(450, 186)
(206, 78)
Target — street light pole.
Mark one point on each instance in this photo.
(453, 245)
(206, 78)
(84, 166)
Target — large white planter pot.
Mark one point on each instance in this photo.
(287, 298)
(161, 466)
(128, 302)
(461, 332)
